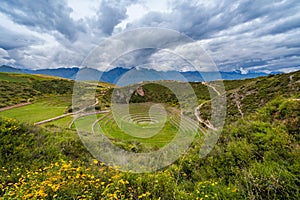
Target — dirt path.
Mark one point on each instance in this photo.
(91, 106)
(65, 115)
(197, 110)
(291, 78)
(291, 82)
(52, 119)
(212, 87)
(95, 122)
(238, 104)
(87, 114)
(202, 121)
(15, 106)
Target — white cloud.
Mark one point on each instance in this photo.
(243, 71)
(83, 9)
(5, 58)
(254, 35)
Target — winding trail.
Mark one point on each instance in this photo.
(238, 104)
(291, 82)
(52, 119)
(15, 106)
(95, 122)
(65, 115)
(202, 121)
(212, 87)
(87, 114)
(197, 110)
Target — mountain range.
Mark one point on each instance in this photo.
(124, 76)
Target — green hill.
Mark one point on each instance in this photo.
(249, 94)
(19, 88)
(256, 157)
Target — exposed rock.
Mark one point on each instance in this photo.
(140, 91)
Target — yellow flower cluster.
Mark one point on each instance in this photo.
(80, 180)
(209, 189)
(9, 125)
(65, 179)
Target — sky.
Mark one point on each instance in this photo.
(245, 35)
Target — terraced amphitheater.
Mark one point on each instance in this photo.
(152, 125)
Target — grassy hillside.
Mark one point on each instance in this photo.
(43, 108)
(255, 93)
(19, 88)
(248, 95)
(48, 96)
(256, 157)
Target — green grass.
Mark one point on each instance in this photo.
(19, 88)
(11, 78)
(157, 134)
(62, 123)
(84, 123)
(16, 77)
(110, 128)
(255, 158)
(43, 109)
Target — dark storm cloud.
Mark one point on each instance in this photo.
(109, 15)
(5, 58)
(134, 58)
(252, 34)
(200, 22)
(12, 40)
(286, 25)
(42, 16)
(236, 31)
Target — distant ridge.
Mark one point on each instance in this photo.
(6, 68)
(61, 72)
(135, 75)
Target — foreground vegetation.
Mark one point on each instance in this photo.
(256, 157)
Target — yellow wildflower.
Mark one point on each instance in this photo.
(95, 161)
